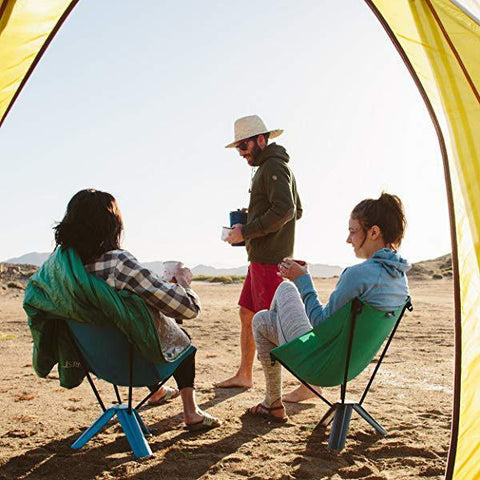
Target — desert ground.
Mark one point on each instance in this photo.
(411, 398)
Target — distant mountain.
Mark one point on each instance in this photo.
(157, 267)
(15, 276)
(213, 271)
(324, 271)
(33, 258)
(437, 268)
(440, 267)
(316, 270)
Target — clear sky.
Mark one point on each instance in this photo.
(139, 99)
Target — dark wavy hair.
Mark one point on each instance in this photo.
(387, 213)
(92, 225)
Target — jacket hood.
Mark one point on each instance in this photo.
(271, 150)
(391, 261)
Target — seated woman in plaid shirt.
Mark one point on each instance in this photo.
(93, 226)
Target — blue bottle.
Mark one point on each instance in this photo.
(238, 216)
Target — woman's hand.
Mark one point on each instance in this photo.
(183, 276)
(292, 269)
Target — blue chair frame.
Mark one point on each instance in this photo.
(107, 353)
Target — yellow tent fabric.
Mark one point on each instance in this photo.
(26, 28)
(440, 43)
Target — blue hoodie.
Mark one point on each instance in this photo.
(381, 281)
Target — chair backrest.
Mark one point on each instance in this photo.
(319, 357)
(106, 350)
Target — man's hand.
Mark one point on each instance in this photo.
(183, 276)
(290, 269)
(235, 235)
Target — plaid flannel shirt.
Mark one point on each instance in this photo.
(122, 271)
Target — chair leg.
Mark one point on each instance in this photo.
(328, 417)
(132, 424)
(96, 426)
(140, 421)
(368, 418)
(341, 423)
(134, 433)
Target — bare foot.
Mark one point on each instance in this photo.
(200, 420)
(300, 394)
(162, 395)
(237, 381)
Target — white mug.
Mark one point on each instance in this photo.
(225, 232)
(170, 269)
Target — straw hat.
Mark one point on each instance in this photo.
(250, 126)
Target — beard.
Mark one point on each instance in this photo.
(254, 154)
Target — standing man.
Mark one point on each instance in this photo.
(269, 233)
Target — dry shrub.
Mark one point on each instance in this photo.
(220, 278)
(6, 336)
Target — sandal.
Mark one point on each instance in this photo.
(170, 394)
(206, 423)
(261, 410)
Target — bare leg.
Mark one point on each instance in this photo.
(190, 408)
(191, 412)
(300, 394)
(244, 376)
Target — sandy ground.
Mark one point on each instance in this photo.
(411, 398)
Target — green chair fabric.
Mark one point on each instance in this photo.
(337, 351)
(319, 357)
(63, 290)
(82, 324)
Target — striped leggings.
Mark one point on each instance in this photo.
(285, 321)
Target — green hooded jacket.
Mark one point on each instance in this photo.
(274, 208)
(62, 289)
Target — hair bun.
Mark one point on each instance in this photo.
(387, 213)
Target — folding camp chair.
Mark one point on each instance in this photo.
(107, 353)
(338, 350)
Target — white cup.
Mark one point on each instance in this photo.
(170, 269)
(225, 232)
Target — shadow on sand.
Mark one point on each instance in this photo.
(182, 454)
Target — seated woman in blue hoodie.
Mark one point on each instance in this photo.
(376, 228)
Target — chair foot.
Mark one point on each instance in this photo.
(140, 421)
(133, 432)
(132, 424)
(95, 427)
(369, 419)
(341, 423)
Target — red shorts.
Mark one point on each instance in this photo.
(260, 285)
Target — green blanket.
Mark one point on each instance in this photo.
(62, 289)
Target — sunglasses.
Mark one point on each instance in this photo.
(244, 144)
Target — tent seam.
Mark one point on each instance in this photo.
(453, 234)
(454, 50)
(38, 56)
